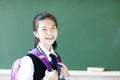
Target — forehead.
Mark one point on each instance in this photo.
(46, 22)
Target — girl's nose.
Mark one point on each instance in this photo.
(49, 32)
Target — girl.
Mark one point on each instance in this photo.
(45, 30)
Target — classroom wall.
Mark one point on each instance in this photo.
(89, 31)
(75, 75)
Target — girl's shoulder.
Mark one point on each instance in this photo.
(26, 60)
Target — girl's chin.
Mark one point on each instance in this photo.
(49, 43)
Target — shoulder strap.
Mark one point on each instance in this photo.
(57, 57)
(15, 68)
(42, 57)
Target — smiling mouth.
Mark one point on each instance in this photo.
(50, 38)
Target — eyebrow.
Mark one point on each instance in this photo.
(50, 25)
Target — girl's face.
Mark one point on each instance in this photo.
(47, 32)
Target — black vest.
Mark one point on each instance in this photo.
(39, 67)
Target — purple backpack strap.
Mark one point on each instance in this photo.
(58, 59)
(42, 57)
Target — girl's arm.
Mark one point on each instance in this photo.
(26, 70)
(53, 75)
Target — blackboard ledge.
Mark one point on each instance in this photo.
(77, 73)
(87, 73)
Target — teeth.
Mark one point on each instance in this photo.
(49, 38)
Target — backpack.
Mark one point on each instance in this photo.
(16, 64)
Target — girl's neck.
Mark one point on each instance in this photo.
(47, 47)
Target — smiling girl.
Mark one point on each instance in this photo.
(45, 30)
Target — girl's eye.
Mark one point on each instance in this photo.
(43, 29)
(53, 27)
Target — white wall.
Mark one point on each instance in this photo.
(76, 75)
(5, 74)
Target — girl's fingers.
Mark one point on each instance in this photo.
(63, 65)
(64, 70)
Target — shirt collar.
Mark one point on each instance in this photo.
(45, 50)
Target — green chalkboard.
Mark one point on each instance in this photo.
(89, 31)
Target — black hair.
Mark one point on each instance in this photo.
(36, 19)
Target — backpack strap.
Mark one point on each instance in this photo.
(42, 57)
(37, 53)
(57, 58)
(15, 68)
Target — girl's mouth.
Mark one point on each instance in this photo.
(50, 38)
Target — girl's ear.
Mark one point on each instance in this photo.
(35, 34)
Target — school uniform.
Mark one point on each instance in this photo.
(32, 68)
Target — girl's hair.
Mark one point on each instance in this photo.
(36, 19)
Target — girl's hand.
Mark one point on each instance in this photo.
(53, 75)
(64, 70)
